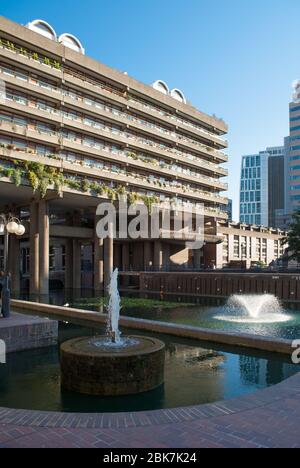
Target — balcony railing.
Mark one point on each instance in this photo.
(91, 181)
(43, 60)
(23, 101)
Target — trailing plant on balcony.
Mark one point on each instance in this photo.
(73, 184)
(112, 194)
(149, 201)
(133, 197)
(85, 185)
(121, 190)
(16, 177)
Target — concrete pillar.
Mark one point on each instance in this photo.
(108, 260)
(14, 263)
(69, 265)
(158, 255)
(77, 266)
(98, 265)
(44, 232)
(34, 266)
(148, 256)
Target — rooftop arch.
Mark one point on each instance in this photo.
(68, 40)
(178, 95)
(42, 27)
(161, 86)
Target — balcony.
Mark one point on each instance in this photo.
(40, 63)
(106, 173)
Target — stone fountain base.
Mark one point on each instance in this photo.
(89, 367)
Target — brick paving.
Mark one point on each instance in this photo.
(264, 419)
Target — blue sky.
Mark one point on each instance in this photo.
(233, 58)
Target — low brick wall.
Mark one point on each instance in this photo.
(285, 286)
(21, 332)
(95, 319)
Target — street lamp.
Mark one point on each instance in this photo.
(8, 225)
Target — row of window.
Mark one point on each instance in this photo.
(295, 109)
(250, 196)
(251, 219)
(250, 208)
(251, 161)
(101, 125)
(94, 162)
(24, 99)
(250, 184)
(25, 76)
(251, 173)
(163, 182)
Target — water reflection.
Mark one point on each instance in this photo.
(194, 375)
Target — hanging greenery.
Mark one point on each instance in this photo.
(42, 177)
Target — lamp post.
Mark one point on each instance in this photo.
(8, 225)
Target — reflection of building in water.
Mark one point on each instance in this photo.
(264, 372)
(197, 372)
(252, 370)
(202, 358)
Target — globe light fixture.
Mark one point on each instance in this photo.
(8, 225)
(21, 230)
(12, 227)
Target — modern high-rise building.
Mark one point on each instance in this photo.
(74, 132)
(262, 190)
(293, 166)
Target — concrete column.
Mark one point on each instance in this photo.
(69, 265)
(148, 257)
(44, 246)
(77, 266)
(158, 254)
(108, 260)
(14, 263)
(34, 286)
(98, 265)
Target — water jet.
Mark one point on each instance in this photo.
(263, 308)
(113, 364)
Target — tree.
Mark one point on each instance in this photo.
(293, 238)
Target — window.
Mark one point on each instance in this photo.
(236, 247)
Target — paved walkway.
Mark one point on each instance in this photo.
(267, 418)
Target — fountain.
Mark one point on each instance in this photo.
(113, 364)
(264, 308)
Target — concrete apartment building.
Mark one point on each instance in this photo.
(245, 245)
(79, 132)
(262, 190)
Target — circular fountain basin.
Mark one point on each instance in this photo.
(91, 366)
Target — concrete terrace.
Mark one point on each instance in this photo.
(267, 418)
